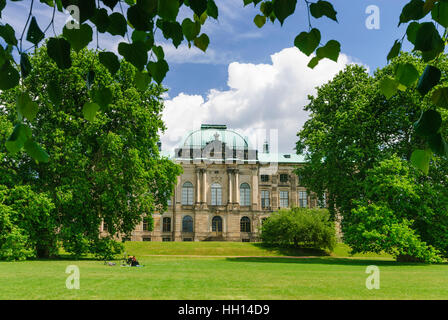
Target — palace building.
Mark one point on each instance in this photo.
(226, 190)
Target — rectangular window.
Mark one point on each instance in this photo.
(245, 240)
(216, 195)
(284, 199)
(166, 239)
(303, 199)
(169, 202)
(146, 238)
(264, 178)
(265, 199)
(145, 225)
(166, 225)
(187, 239)
(283, 177)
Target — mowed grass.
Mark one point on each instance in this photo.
(231, 276)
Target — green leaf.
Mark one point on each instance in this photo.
(168, 9)
(8, 34)
(428, 124)
(19, 136)
(202, 42)
(198, 6)
(420, 159)
(212, 9)
(158, 51)
(34, 34)
(438, 145)
(59, 51)
(406, 74)
(36, 152)
(308, 42)
(135, 53)
(440, 13)
(411, 31)
(388, 87)
(26, 107)
(440, 97)
(139, 19)
(103, 97)
(89, 110)
(25, 65)
(9, 76)
(428, 41)
(429, 79)
(54, 92)
(394, 51)
(117, 25)
(149, 6)
(267, 8)
(313, 62)
(284, 8)
(331, 50)
(142, 80)
(78, 38)
(101, 20)
(190, 29)
(412, 11)
(171, 30)
(158, 70)
(323, 8)
(110, 61)
(259, 20)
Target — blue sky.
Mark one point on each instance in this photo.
(244, 42)
(251, 79)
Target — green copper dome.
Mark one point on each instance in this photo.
(209, 133)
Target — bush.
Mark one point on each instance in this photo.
(308, 228)
(26, 226)
(107, 248)
(14, 243)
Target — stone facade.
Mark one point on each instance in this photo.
(226, 189)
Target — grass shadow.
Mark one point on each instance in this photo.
(327, 261)
(291, 250)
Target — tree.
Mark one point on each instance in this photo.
(352, 128)
(402, 212)
(105, 166)
(309, 228)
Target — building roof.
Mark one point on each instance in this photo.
(211, 132)
(198, 139)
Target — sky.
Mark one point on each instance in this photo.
(252, 80)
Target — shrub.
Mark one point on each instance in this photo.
(106, 248)
(309, 228)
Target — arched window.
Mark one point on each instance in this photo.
(245, 194)
(245, 224)
(187, 224)
(216, 194)
(166, 224)
(217, 224)
(187, 193)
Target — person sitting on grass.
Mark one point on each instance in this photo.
(132, 261)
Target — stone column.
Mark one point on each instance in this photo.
(229, 191)
(237, 187)
(254, 189)
(204, 186)
(198, 186)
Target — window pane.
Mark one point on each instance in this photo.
(303, 199)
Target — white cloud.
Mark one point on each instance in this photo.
(260, 96)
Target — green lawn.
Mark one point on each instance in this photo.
(225, 277)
